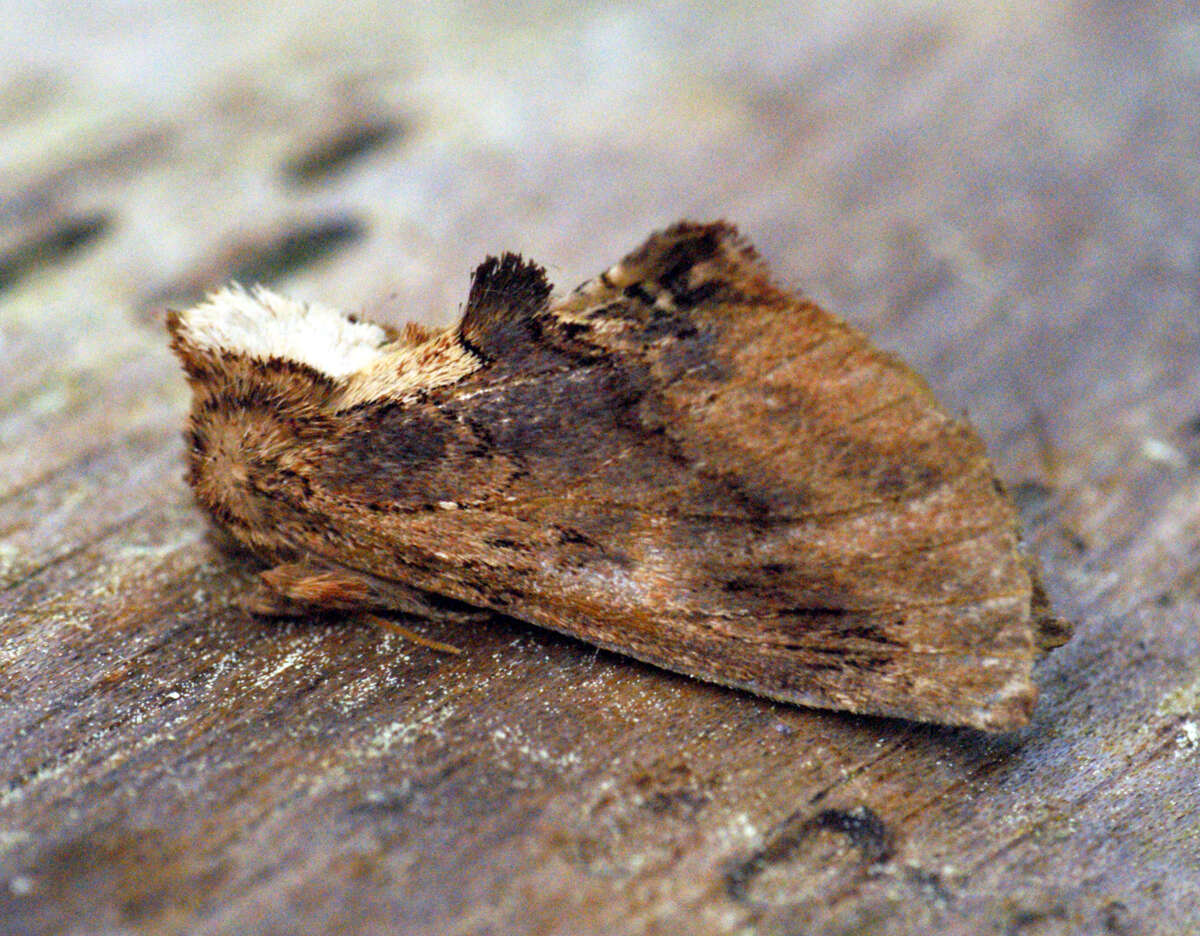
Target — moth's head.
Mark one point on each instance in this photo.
(263, 372)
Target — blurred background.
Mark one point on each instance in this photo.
(953, 176)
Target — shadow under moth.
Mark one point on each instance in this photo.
(678, 461)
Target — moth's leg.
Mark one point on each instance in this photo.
(297, 588)
(392, 627)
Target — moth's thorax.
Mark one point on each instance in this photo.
(407, 369)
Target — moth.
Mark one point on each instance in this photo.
(679, 461)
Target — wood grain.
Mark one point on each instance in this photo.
(1004, 197)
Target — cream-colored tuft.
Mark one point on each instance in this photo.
(263, 325)
(406, 371)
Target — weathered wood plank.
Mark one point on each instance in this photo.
(1005, 197)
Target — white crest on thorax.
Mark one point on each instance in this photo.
(263, 325)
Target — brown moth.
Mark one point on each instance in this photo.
(678, 461)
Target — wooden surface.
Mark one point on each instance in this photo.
(1005, 193)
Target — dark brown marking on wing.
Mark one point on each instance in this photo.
(412, 456)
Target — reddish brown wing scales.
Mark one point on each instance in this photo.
(682, 463)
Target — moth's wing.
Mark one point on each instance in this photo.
(856, 544)
(682, 463)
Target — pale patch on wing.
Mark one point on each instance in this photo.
(262, 325)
